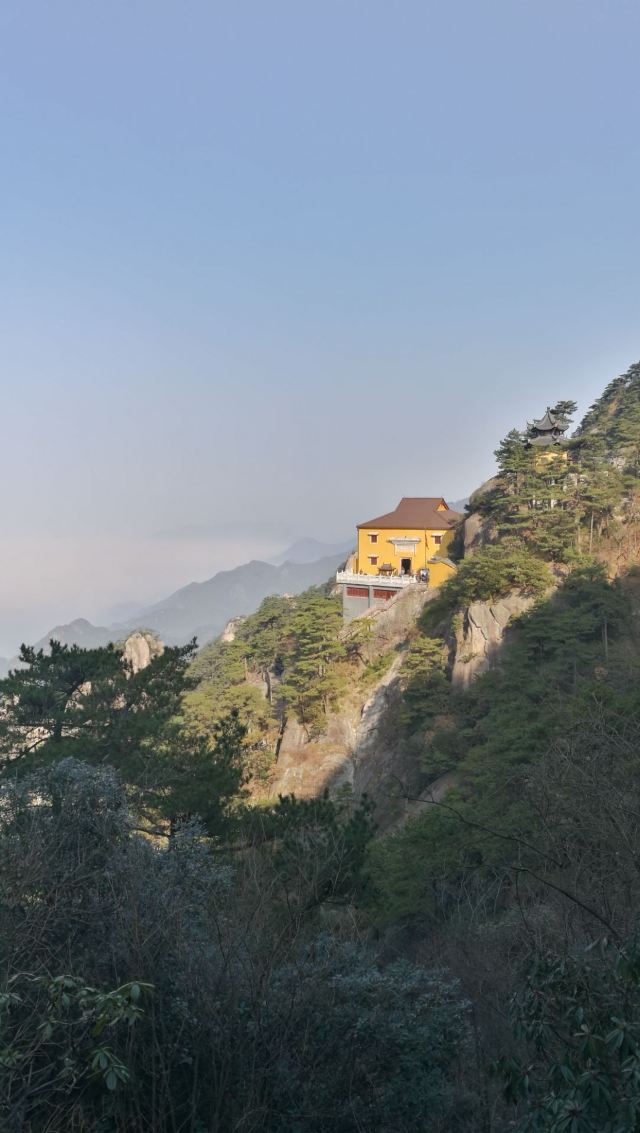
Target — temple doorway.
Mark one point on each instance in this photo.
(405, 566)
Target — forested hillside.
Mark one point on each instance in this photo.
(181, 950)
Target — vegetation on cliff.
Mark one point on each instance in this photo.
(492, 573)
(291, 659)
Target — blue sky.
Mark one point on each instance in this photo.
(266, 267)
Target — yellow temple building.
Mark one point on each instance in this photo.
(405, 546)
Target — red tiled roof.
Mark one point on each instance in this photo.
(417, 512)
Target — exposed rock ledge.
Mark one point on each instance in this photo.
(479, 636)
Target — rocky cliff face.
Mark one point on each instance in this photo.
(479, 635)
(357, 750)
(360, 746)
(477, 532)
(478, 529)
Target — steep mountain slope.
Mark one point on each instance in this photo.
(531, 586)
(615, 415)
(318, 698)
(494, 726)
(537, 730)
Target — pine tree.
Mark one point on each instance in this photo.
(89, 704)
(312, 682)
(564, 411)
(197, 777)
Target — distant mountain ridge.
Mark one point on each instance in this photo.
(458, 505)
(202, 609)
(78, 632)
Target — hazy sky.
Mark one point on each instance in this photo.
(267, 266)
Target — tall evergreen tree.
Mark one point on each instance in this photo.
(90, 704)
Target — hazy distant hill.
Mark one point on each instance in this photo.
(202, 609)
(123, 611)
(311, 550)
(78, 632)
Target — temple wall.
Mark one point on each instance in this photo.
(426, 547)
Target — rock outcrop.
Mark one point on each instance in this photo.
(480, 634)
(140, 648)
(478, 530)
(230, 630)
(362, 747)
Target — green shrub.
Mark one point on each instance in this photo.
(375, 669)
(425, 685)
(579, 1018)
(369, 1047)
(494, 572)
(254, 1020)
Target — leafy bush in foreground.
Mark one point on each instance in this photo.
(254, 1017)
(579, 1018)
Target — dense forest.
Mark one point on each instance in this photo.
(182, 952)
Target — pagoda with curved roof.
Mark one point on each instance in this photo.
(547, 430)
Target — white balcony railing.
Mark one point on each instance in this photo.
(387, 581)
